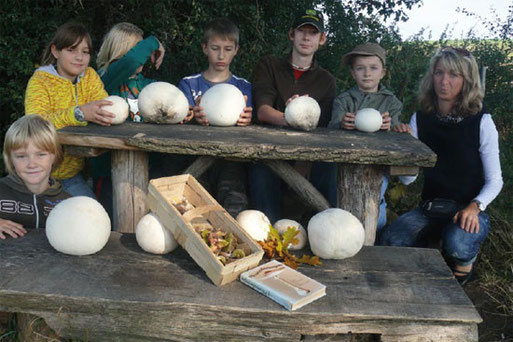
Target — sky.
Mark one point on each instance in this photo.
(435, 15)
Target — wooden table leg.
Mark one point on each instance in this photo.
(359, 188)
(299, 184)
(129, 186)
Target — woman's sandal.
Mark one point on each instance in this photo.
(464, 277)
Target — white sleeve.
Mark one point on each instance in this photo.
(489, 152)
(414, 132)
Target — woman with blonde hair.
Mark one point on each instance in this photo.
(467, 174)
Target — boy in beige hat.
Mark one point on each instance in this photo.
(367, 66)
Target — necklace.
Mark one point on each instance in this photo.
(297, 67)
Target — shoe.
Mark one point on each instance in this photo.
(465, 277)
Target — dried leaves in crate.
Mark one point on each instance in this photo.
(225, 246)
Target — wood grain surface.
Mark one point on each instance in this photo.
(125, 294)
(257, 142)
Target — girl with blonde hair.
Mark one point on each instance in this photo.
(121, 60)
(467, 174)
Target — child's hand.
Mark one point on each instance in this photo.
(11, 228)
(387, 120)
(402, 128)
(200, 115)
(245, 116)
(348, 121)
(93, 112)
(189, 116)
(292, 98)
(157, 56)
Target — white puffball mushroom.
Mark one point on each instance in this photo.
(119, 107)
(368, 120)
(223, 104)
(303, 112)
(282, 225)
(153, 237)
(162, 102)
(335, 234)
(255, 223)
(78, 226)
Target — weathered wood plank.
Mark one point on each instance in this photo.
(84, 151)
(299, 184)
(257, 142)
(399, 277)
(359, 193)
(130, 185)
(403, 170)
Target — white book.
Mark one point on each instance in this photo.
(283, 284)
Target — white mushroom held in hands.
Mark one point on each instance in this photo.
(368, 120)
(303, 112)
(119, 107)
(223, 104)
(162, 102)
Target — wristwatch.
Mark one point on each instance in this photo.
(79, 114)
(480, 205)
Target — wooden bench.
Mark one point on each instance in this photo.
(363, 158)
(124, 294)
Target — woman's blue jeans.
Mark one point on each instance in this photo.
(414, 229)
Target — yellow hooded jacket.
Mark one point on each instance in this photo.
(54, 98)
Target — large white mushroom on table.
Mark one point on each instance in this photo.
(335, 234)
(78, 226)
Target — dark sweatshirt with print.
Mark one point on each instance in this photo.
(19, 205)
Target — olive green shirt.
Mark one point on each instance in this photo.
(354, 99)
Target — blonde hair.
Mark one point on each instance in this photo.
(31, 128)
(117, 42)
(460, 62)
(67, 35)
(221, 27)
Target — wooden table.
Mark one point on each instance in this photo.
(125, 294)
(362, 157)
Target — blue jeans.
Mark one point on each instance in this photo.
(324, 178)
(265, 187)
(382, 216)
(77, 186)
(414, 229)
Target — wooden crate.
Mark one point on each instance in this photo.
(163, 192)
